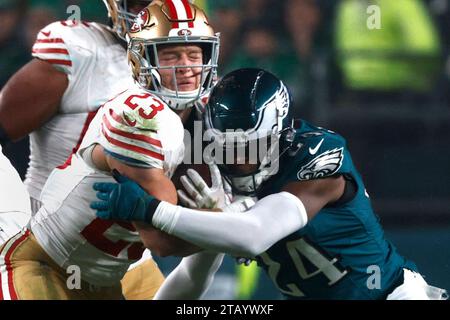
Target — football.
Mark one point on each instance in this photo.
(202, 169)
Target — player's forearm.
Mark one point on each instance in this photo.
(241, 234)
(191, 278)
(162, 244)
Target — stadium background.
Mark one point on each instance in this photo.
(385, 89)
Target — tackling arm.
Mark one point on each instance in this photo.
(239, 234)
(270, 220)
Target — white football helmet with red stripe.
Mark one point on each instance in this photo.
(173, 22)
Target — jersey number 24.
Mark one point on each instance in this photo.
(297, 249)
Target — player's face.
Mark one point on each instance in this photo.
(246, 159)
(241, 163)
(184, 78)
(243, 169)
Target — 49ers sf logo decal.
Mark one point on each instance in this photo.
(141, 21)
(184, 32)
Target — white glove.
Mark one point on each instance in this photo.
(198, 195)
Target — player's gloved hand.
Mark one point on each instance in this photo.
(198, 195)
(124, 200)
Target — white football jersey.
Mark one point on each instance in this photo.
(15, 211)
(136, 128)
(97, 69)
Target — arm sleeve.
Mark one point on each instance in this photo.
(240, 234)
(191, 278)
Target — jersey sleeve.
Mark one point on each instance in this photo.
(64, 45)
(129, 137)
(321, 156)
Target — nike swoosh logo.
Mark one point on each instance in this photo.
(314, 150)
(47, 34)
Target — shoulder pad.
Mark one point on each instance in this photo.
(129, 128)
(320, 155)
(65, 43)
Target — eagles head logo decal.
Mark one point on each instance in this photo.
(282, 101)
(140, 21)
(323, 165)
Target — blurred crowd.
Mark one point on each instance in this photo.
(21, 20)
(319, 47)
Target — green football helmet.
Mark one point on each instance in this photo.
(248, 119)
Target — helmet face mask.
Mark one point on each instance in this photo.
(247, 165)
(152, 74)
(153, 31)
(249, 109)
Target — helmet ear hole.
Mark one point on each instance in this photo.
(288, 135)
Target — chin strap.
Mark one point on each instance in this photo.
(180, 102)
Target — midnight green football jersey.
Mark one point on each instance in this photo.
(342, 252)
